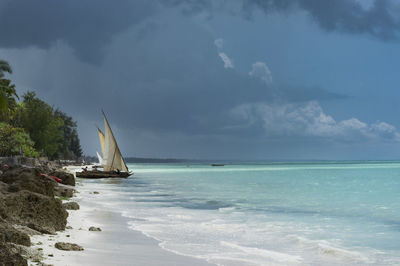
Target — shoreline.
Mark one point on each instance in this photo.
(115, 244)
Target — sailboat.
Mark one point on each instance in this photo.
(110, 158)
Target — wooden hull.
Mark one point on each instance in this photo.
(102, 174)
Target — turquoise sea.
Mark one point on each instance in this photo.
(266, 214)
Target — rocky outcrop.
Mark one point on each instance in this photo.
(21, 178)
(26, 230)
(71, 206)
(9, 255)
(28, 206)
(36, 211)
(12, 235)
(67, 178)
(29, 253)
(92, 228)
(68, 246)
(63, 191)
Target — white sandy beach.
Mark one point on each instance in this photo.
(114, 245)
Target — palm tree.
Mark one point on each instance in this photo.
(4, 67)
(6, 89)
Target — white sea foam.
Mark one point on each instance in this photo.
(267, 254)
(325, 248)
(212, 237)
(228, 221)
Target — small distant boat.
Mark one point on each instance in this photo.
(217, 164)
(111, 160)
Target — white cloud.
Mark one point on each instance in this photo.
(309, 119)
(261, 70)
(228, 63)
(219, 43)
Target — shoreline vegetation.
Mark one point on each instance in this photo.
(33, 136)
(33, 128)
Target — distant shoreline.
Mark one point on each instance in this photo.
(233, 162)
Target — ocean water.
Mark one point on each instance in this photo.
(266, 214)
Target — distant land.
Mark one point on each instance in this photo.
(155, 160)
(93, 159)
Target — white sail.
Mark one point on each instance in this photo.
(102, 140)
(112, 157)
(101, 161)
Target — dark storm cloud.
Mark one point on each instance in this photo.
(181, 85)
(88, 26)
(350, 16)
(85, 25)
(380, 20)
(154, 71)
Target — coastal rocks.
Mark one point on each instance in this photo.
(36, 211)
(22, 178)
(71, 206)
(29, 253)
(28, 207)
(68, 246)
(63, 191)
(9, 256)
(92, 228)
(26, 230)
(9, 234)
(67, 178)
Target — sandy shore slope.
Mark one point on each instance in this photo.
(114, 245)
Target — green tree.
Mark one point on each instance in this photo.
(70, 147)
(8, 103)
(7, 90)
(39, 120)
(34, 123)
(4, 67)
(14, 141)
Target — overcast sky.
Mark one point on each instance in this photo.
(216, 79)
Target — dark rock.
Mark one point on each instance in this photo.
(26, 230)
(71, 206)
(27, 202)
(68, 246)
(39, 212)
(9, 256)
(96, 192)
(9, 234)
(92, 228)
(68, 227)
(3, 186)
(67, 178)
(22, 178)
(29, 253)
(63, 191)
